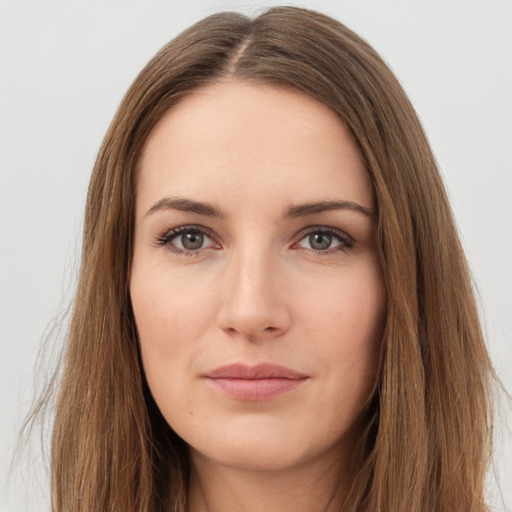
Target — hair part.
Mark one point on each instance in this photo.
(426, 431)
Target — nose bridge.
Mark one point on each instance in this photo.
(251, 302)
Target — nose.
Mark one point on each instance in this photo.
(253, 306)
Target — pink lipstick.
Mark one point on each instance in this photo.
(253, 383)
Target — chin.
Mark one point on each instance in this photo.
(254, 455)
(259, 448)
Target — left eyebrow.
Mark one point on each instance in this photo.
(302, 210)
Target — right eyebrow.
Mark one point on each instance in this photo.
(186, 205)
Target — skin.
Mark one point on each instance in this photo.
(258, 288)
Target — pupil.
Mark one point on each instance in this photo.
(320, 241)
(193, 240)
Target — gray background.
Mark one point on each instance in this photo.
(64, 66)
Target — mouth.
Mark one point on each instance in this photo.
(255, 383)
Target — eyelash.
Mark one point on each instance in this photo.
(165, 239)
(346, 242)
(168, 236)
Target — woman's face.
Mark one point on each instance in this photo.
(256, 286)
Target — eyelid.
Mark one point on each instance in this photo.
(165, 238)
(346, 241)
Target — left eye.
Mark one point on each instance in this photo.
(320, 240)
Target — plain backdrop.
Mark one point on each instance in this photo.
(64, 67)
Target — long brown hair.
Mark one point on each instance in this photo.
(425, 435)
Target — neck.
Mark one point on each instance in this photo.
(319, 486)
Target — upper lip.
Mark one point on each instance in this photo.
(259, 371)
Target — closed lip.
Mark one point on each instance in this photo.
(255, 383)
(259, 371)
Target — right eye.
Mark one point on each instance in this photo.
(187, 240)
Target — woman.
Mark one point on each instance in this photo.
(274, 311)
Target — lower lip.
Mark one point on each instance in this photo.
(256, 389)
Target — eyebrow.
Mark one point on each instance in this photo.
(186, 205)
(301, 210)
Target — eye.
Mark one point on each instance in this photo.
(187, 240)
(323, 239)
(190, 241)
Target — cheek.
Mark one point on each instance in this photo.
(347, 321)
(171, 319)
(350, 306)
(168, 311)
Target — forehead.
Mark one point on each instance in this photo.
(252, 140)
